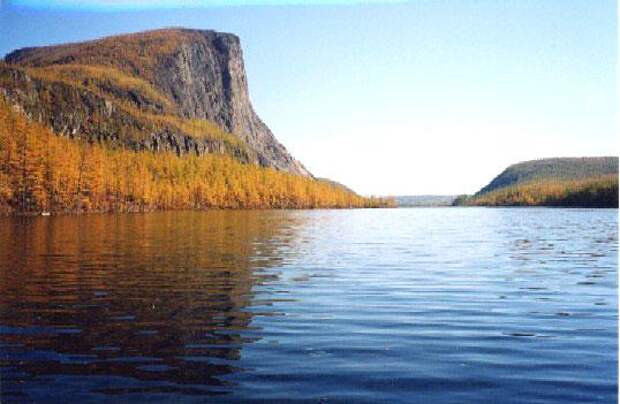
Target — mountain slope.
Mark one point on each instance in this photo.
(553, 168)
(141, 122)
(43, 172)
(578, 182)
(172, 89)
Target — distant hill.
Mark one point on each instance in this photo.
(586, 182)
(424, 200)
(553, 168)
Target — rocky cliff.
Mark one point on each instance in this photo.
(172, 89)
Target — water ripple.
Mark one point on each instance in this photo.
(398, 305)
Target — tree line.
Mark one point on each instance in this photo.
(598, 191)
(43, 172)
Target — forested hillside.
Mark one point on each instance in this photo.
(140, 122)
(574, 182)
(553, 168)
(40, 171)
(178, 90)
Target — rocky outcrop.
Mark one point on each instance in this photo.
(206, 78)
(81, 114)
(201, 72)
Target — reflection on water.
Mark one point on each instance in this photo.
(159, 298)
(422, 305)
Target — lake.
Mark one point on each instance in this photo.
(396, 305)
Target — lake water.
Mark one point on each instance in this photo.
(398, 305)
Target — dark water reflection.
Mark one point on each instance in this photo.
(422, 305)
(160, 298)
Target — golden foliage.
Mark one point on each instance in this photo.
(127, 53)
(597, 191)
(40, 171)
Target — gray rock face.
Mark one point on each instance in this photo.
(76, 113)
(201, 72)
(206, 78)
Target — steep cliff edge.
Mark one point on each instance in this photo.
(153, 90)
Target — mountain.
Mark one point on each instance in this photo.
(424, 200)
(583, 182)
(140, 122)
(171, 89)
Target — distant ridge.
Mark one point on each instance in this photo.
(553, 168)
(424, 200)
(571, 182)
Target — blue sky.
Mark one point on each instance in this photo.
(409, 97)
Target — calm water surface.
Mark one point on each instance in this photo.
(410, 305)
